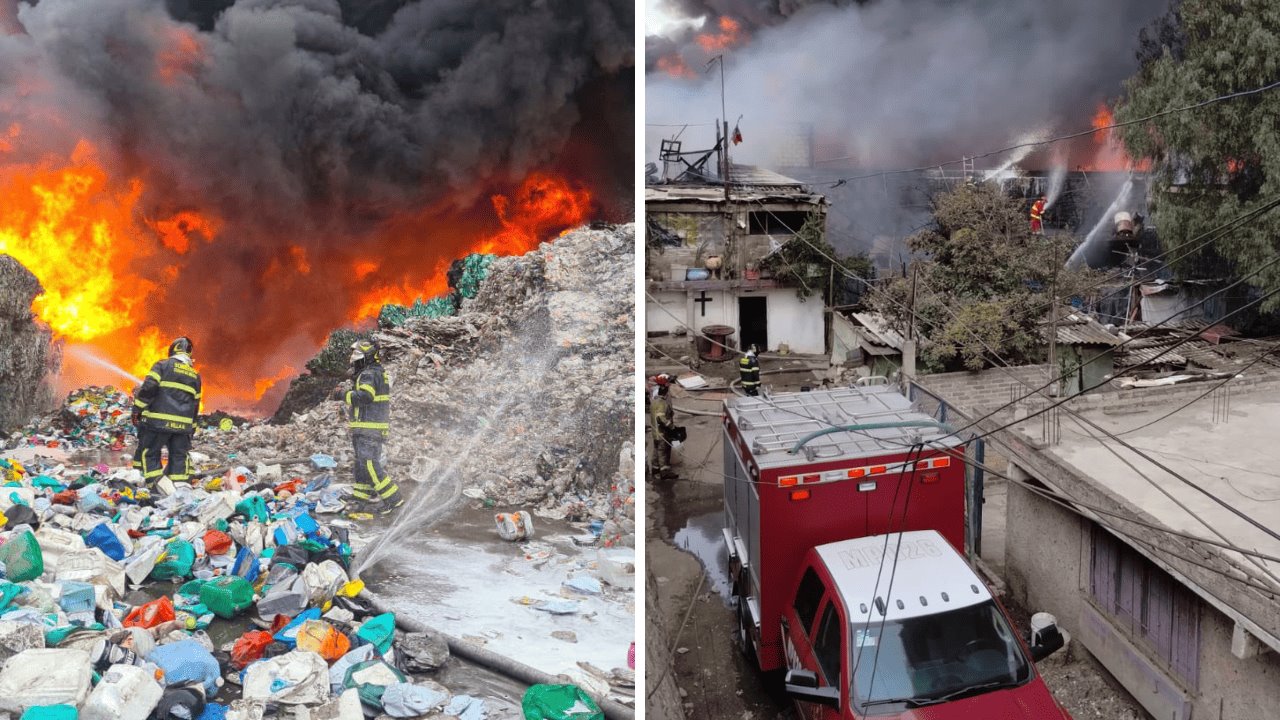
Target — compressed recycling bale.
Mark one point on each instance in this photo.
(45, 677)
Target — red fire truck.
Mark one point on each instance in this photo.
(845, 528)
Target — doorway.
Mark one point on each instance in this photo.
(753, 322)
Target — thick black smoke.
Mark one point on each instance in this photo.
(313, 123)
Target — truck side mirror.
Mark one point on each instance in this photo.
(802, 685)
(1046, 639)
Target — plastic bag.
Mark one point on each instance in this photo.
(105, 539)
(249, 647)
(559, 702)
(379, 631)
(187, 661)
(22, 558)
(421, 652)
(404, 700)
(325, 640)
(176, 561)
(216, 542)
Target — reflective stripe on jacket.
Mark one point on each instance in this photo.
(169, 396)
(370, 402)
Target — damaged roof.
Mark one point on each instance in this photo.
(747, 183)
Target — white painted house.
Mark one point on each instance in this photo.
(694, 231)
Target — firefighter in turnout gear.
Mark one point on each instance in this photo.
(1037, 216)
(749, 373)
(369, 411)
(662, 422)
(164, 411)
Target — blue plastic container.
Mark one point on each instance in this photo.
(77, 597)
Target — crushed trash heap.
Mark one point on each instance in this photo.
(109, 596)
(526, 393)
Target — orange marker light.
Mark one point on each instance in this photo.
(788, 481)
(799, 494)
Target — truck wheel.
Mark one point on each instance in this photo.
(744, 631)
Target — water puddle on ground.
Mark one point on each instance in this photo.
(702, 538)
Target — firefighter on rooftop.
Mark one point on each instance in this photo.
(164, 411)
(1037, 216)
(369, 408)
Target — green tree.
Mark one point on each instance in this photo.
(981, 282)
(1211, 164)
(809, 263)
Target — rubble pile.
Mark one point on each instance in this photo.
(525, 393)
(110, 594)
(25, 353)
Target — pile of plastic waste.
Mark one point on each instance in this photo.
(465, 277)
(91, 417)
(108, 593)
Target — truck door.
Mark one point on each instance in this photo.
(814, 637)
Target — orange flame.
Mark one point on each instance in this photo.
(540, 209)
(106, 268)
(1108, 152)
(180, 55)
(675, 66)
(74, 233)
(729, 36)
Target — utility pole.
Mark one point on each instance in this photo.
(724, 119)
(1053, 323)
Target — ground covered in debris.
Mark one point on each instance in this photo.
(241, 594)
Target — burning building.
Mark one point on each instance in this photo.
(257, 173)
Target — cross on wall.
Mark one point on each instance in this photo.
(702, 300)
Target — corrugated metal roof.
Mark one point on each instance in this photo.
(714, 194)
(1135, 356)
(1075, 330)
(879, 328)
(759, 177)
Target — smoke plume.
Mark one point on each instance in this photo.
(321, 146)
(893, 83)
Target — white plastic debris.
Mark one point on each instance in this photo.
(45, 677)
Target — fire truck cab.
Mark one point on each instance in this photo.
(845, 520)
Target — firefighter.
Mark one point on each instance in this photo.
(749, 372)
(1037, 216)
(164, 411)
(369, 411)
(662, 422)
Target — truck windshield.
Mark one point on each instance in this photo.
(934, 658)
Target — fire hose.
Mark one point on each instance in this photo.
(501, 663)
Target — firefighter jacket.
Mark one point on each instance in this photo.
(749, 371)
(661, 416)
(370, 403)
(170, 395)
(1037, 210)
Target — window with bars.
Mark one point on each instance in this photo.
(1147, 604)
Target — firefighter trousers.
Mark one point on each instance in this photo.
(372, 483)
(151, 444)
